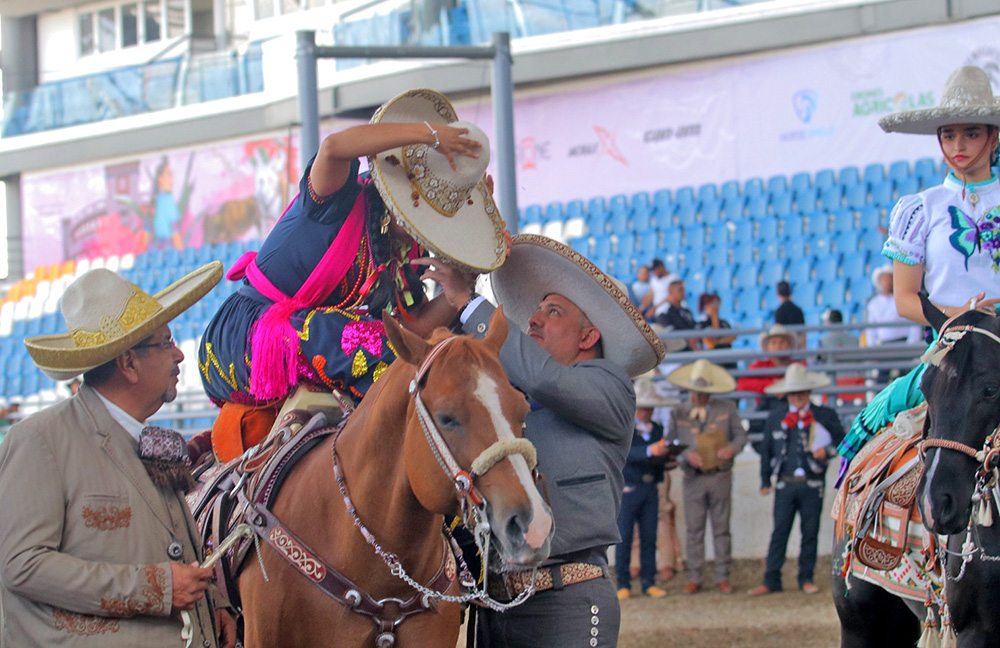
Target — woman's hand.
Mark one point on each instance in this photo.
(453, 141)
(457, 284)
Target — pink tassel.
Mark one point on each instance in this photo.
(273, 352)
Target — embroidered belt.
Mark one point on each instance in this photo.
(512, 584)
(797, 479)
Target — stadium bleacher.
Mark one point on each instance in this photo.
(820, 232)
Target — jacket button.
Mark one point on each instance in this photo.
(480, 328)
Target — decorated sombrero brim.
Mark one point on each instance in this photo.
(107, 315)
(703, 376)
(797, 379)
(647, 395)
(539, 266)
(967, 98)
(451, 213)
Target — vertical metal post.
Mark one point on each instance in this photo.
(503, 130)
(305, 59)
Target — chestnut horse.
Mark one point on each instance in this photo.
(961, 447)
(401, 495)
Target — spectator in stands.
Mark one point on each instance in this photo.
(943, 238)
(839, 339)
(788, 312)
(98, 546)
(643, 472)
(677, 317)
(9, 415)
(659, 285)
(776, 339)
(641, 290)
(308, 271)
(881, 309)
(713, 433)
(708, 305)
(801, 438)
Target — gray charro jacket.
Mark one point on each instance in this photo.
(581, 424)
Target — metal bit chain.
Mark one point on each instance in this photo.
(396, 567)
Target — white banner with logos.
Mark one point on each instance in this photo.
(799, 110)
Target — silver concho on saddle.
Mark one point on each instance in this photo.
(876, 501)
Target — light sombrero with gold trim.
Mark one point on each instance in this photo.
(703, 376)
(540, 266)
(107, 315)
(451, 213)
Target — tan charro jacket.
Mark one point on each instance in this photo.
(84, 535)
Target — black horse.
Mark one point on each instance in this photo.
(963, 396)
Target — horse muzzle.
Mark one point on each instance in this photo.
(525, 534)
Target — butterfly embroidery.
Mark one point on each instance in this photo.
(970, 236)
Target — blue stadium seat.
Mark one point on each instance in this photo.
(794, 249)
(846, 241)
(781, 204)
(818, 223)
(720, 276)
(718, 234)
(831, 198)
(913, 185)
(772, 272)
(792, 226)
(872, 241)
(926, 167)
(708, 192)
(694, 236)
(663, 208)
(882, 194)
(648, 246)
(640, 200)
(825, 178)
(575, 209)
(732, 208)
(874, 174)
(820, 246)
(687, 214)
(757, 206)
(581, 244)
(618, 218)
(553, 213)
(743, 251)
(827, 267)
(806, 293)
(695, 282)
(832, 294)
(742, 233)
(531, 215)
(844, 220)
(899, 171)
(672, 240)
(857, 196)
(602, 248)
(710, 211)
(746, 276)
(729, 190)
(750, 299)
(684, 196)
(777, 185)
(861, 289)
(753, 187)
(868, 218)
(626, 244)
(597, 217)
(849, 176)
(801, 182)
(853, 264)
(765, 250)
(767, 229)
(806, 200)
(642, 219)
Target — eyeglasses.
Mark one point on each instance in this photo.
(167, 344)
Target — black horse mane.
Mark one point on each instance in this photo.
(943, 379)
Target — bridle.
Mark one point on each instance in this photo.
(987, 458)
(473, 504)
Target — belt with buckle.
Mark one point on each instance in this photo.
(510, 585)
(793, 478)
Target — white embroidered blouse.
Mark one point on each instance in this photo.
(955, 237)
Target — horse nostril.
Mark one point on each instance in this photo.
(517, 527)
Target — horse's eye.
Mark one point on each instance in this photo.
(990, 392)
(447, 421)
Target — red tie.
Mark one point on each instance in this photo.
(792, 419)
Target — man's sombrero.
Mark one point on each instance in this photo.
(967, 98)
(107, 315)
(451, 213)
(797, 379)
(539, 266)
(703, 376)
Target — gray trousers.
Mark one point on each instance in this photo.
(584, 614)
(708, 497)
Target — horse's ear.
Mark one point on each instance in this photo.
(498, 330)
(934, 316)
(409, 346)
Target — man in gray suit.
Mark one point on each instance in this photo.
(97, 546)
(574, 340)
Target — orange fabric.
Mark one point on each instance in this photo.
(239, 427)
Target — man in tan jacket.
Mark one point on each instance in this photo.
(97, 546)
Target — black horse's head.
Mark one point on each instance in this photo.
(963, 398)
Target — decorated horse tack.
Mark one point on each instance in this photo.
(253, 484)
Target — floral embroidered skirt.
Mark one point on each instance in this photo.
(338, 349)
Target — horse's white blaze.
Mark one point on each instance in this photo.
(928, 480)
(541, 521)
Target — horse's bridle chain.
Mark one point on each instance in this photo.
(473, 504)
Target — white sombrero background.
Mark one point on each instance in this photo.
(539, 266)
(455, 216)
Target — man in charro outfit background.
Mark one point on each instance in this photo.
(97, 546)
(574, 340)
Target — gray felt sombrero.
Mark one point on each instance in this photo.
(451, 213)
(540, 266)
(106, 315)
(967, 98)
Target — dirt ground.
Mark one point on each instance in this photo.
(713, 620)
(709, 619)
